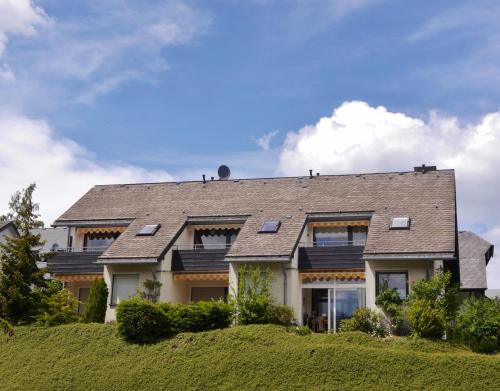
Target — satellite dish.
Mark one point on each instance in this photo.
(224, 172)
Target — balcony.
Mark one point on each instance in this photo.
(199, 258)
(76, 261)
(335, 255)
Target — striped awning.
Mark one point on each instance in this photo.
(77, 277)
(201, 276)
(104, 230)
(355, 223)
(311, 276)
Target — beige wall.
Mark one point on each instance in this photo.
(145, 273)
(417, 270)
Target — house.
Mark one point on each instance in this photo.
(7, 229)
(331, 241)
(475, 253)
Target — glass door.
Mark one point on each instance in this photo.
(342, 303)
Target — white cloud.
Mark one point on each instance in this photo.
(31, 151)
(19, 17)
(264, 142)
(6, 73)
(103, 46)
(361, 138)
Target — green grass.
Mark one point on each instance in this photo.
(92, 357)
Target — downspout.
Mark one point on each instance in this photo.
(284, 283)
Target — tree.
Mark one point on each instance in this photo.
(19, 274)
(95, 311)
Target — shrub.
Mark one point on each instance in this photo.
(432, 306)
(252, 302)
(478, 324)
(151, 290)
(366, 321)
(300, 330)
(390, 302)
(200, 316)
(142, 321)
(95, 310)
(426, 319)
(6, 328)
(58, 307)
(282, 315)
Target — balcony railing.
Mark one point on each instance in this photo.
(75, 261)
(334, 243)
(99, 249)
(201, 247)
(331, 256)
(199, 258)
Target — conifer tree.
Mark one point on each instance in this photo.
(19, 273)
(95, 311)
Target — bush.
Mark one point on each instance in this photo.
(6, 328)
(142, 321)
(95, 310)
(59, 307)
(282, 315)
(200, 316)
(300, 330)
(478, 324)
(366, 321)
(390, 302)
(252, 302)
(432, 306)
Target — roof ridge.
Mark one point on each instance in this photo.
(275, 178)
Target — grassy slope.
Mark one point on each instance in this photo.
(92, 357)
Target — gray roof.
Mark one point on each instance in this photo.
(474, 252)
(8, 224)
(429, 200)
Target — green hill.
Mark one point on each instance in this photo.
(92, 357)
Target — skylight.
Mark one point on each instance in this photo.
(149, 230)
(400, 222)
(270, 226)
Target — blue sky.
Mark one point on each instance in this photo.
(122, 91)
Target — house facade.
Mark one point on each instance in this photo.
(331, 242)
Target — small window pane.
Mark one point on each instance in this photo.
(359, 235)
(208, 293)
(393, 280)
(270, 226)
(400, 223)
(124, 287)
(149, 230)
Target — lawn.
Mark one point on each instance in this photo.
(92, 357)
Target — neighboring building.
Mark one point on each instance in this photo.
(7, 229)
(75, 267)
(331, 242)
(475, 253)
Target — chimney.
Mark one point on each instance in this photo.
(204, 181)
(423, 168)
(310, 174)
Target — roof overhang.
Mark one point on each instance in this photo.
(259, 258)
(127, 261)
(409, 256)
(228, 219)
(339, 216)
(93, 223)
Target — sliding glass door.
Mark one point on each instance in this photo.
(342, 302)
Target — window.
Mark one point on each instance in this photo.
(99, 241)
(83, 298)
(214, 238)
(339, 236)
(392, 280)
(208, 293)
(270, 226)
(400, 223)
(149, 230)
(124, 287)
